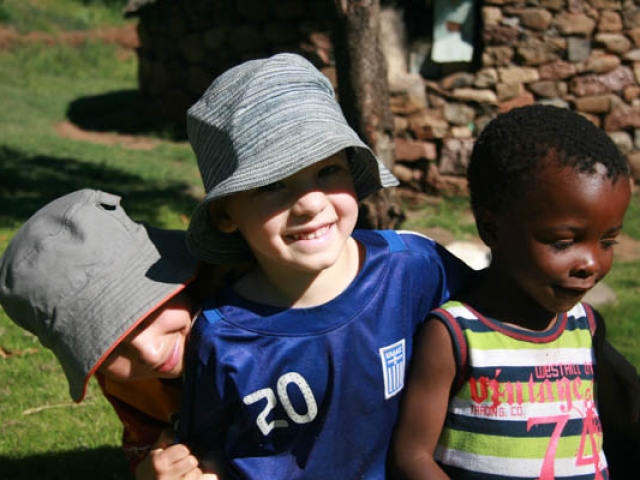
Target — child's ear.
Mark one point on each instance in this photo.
(487, 224)
(220, 218)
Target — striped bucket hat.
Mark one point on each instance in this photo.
(258, 123)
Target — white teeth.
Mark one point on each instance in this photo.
(310, 236)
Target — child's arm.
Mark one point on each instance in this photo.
(618, 393)
(424, 406)
(626, 375)
(618, 387)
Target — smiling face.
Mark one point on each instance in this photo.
(155, 349)
(557, 241)
(300, 223)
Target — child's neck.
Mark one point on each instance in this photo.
(291, 288)
(496, 298)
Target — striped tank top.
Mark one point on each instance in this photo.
(523, 405)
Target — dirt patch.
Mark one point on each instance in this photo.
(440, 235)
(125, 37)
(72, 132)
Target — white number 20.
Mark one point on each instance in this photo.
(269, 395)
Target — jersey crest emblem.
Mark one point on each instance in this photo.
(394, 359)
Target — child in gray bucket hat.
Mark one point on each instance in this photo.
(295, 370)
(108, 296)
(259, 124)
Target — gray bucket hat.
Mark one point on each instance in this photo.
(258, 123)
(80, 275)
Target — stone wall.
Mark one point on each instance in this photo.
(184, 44)
(579, 54)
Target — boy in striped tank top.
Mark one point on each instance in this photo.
(503, 382)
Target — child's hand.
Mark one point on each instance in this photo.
(171, 462)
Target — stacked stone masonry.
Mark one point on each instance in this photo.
(579, 54)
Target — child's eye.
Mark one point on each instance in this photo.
(562, 245)
(272, 187)
(609, 243)
(329, 170)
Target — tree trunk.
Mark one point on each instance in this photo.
(363, 90)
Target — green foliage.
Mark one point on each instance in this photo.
(53, 16)
(93, 88)
(112, 4)
(47, 68)
(90, 87)
(632, 218)
(451, 214)
(43, 434)
(5, 15)
(623, 318)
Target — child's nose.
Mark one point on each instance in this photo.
(587, 264)
(309, 202)
(145, 351)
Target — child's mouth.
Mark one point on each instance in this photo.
(319, 232)
(172, 361)
(571, 292)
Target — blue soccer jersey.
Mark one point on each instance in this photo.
(314, 392)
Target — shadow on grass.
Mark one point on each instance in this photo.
(105, 463)
(29, 182)
(123, 112)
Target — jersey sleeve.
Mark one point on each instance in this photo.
(445, 273)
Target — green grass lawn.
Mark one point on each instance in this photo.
(53, 16)
(43, 434)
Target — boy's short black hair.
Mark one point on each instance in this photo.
(507, 154)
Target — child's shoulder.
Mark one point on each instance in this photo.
(414, 252)
(398, 240)
(585, 311)
(403, 249)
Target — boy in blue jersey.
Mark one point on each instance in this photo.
(295, 370)
(503, 381)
